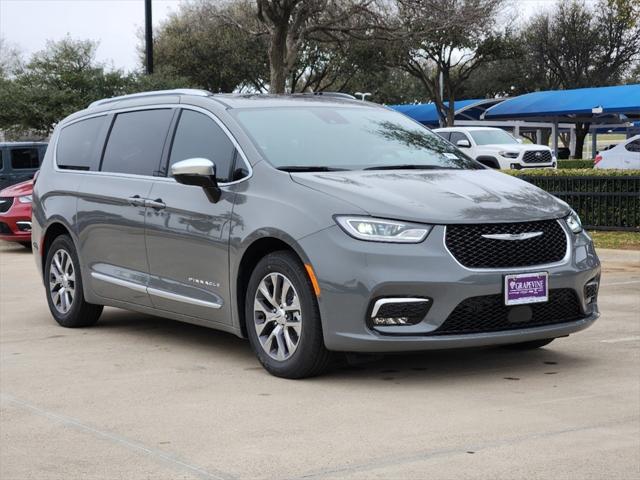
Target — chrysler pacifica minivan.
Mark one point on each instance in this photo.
(310, 225)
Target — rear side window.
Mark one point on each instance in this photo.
(633, 146)
(24, 158)
(77, 149)
(136, 141)
(198, 136)
(444, 135)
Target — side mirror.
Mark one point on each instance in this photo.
(199, 172)
(463, 143)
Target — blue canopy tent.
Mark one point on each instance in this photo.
(595, 106)
(427, 113)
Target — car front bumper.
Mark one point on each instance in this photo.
(15, 224)
(352, 274)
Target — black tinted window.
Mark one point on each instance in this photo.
(633, 146)
(444, 135)
(455, 136)
(198, 136)
(135, 142)
(25, 158)
(77, 147)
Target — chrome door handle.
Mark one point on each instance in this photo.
(156, 204)
(136, 201)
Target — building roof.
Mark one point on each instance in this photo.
(600, 104)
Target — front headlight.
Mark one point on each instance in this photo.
(574, 223)
(380, 230)
(510, 154)
(25, 199)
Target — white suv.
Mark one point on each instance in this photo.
(496, 148)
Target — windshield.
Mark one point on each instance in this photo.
(346, 138)
(492, 137)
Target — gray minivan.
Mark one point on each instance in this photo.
(311, 225)
(19, 161)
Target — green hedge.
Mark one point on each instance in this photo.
(604, 199)
(563, 164)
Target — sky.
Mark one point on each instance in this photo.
(28, 24)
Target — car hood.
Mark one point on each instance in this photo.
(17, 190)
(515, 147)
(440, 197)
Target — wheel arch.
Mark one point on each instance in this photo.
(255, 250)
(53, 231)
(489, 161)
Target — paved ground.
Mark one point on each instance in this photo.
(139, 397)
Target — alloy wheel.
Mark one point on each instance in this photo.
(277, 316)
(62, 281)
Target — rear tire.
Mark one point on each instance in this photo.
(283, 319)
(63, 281)
(533, 344)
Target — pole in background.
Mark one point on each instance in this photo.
(148, 36)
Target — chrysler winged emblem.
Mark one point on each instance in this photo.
(512, 236)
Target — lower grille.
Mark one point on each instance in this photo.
(489, 314)
(474, 247)
(5, 204)
(536, 156)
(4, 229)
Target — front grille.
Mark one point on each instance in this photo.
(471, 249)
(536, 156)
(489, 314)
(5, 204)
(4, 229)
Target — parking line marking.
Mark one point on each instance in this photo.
(117, 439)
(623, 339)
(620, 283)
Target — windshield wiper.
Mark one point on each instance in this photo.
(310, 168)
(407, 167)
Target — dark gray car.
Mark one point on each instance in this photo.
(19, 161)
(310, 225)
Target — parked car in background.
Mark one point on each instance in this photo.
(496, 148)
(19, 161)
(235, 212)
(625, 155)
(15, 213)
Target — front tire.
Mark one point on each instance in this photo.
(283, 319)
(63, 281)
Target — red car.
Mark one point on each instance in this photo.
(15, 213)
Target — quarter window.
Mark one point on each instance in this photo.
(76, 148)
(198, 136)
(633, 146)
(24, 158)
(136, 141)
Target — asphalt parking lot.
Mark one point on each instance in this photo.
(138, 397)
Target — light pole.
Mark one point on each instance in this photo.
(362, 95)
(148, 36)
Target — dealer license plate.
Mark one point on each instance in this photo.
(523, 288)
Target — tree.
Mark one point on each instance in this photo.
(576, 46)
(443, 42)
(57, 81)
(208, 45)
(291, 23)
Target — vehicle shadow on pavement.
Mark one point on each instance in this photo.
(433, 366)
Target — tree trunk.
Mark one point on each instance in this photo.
(582, 129)
(277, 60)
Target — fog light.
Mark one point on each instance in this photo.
(399, 311)
(591, 290)
(24, 226)
(516, 166)
(390, 320)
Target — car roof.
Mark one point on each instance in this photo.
(468, 129)
(236, 100)
(22, 144)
